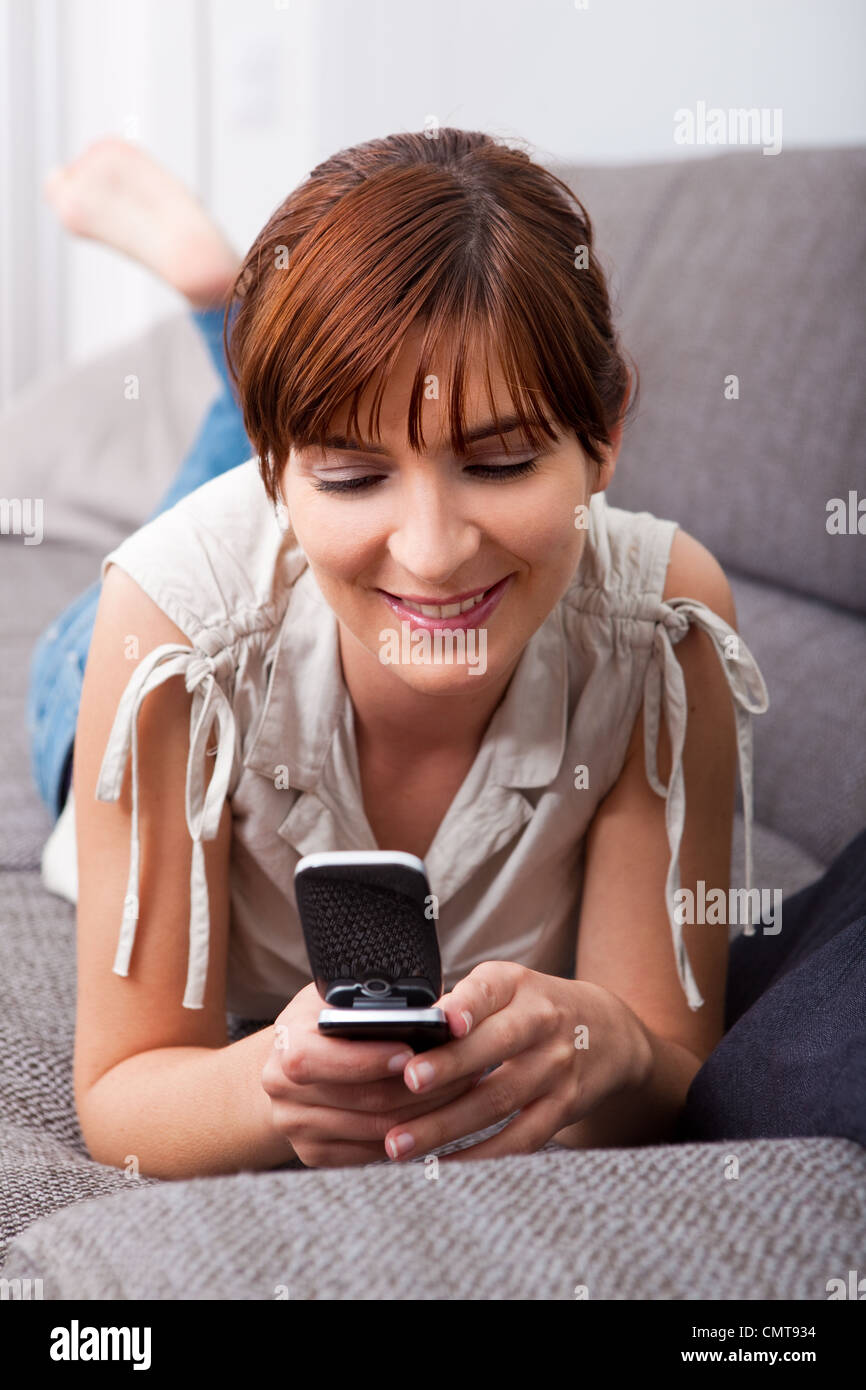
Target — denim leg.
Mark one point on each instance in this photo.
(60, 655)
(53, 695)
(222, 441)
(793, 1059)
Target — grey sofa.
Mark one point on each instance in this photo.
(737, 265)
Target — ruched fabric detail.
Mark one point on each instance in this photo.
(210, 705)
(664, 687)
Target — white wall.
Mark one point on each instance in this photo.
(135, 69)
(31, 245)
(241, 97)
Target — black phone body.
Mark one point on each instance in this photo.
(372, 944)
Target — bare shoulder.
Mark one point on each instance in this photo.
(123, 597)
(694, 572)
(120, 1016)
(624, 936)
(128, 625)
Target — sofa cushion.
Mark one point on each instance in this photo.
(98, 461)
(792, 1061)
(40, 1174)
(772, 1219)
(744, 265)
(809, 763)
(46, 578)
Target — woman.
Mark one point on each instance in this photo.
(432, 391)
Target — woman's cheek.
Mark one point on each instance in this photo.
(548, 540)
(332, 540)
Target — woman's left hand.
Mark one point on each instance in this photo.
(564, 1046)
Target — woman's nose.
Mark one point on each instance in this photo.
(433, 538)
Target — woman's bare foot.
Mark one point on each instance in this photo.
(117, 194)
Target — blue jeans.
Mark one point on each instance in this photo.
(59, 657)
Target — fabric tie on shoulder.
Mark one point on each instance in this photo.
(665, 681)
(210, 705)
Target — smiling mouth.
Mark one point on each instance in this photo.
(442, 610)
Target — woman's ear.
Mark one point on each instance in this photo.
(281, 510)
(607, 469)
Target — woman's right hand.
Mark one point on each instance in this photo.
(334, 1100)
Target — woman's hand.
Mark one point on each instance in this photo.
(564, 1046)
(335, 1100)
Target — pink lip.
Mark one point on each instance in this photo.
(440, 602)
(475, 617)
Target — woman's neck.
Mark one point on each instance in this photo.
(390, 714)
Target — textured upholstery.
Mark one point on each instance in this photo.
(743, 265)
(666, 1222)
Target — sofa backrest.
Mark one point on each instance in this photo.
(748, 267)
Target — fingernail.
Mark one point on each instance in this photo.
(467, 1019)
(399, 1060)
(400, 1144)
(420, 1074)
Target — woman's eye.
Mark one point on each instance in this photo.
(508, 470)
(346, 484)
(478, 470)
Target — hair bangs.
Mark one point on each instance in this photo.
(460, 237)
(451, 348)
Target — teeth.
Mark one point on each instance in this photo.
(448, 610)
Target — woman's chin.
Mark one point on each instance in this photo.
(443, 677)
(439, 664)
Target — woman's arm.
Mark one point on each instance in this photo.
(153, 1079)
(158, 1087)
(624, 940)
(606, 1058)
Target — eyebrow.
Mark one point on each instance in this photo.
(485, 430)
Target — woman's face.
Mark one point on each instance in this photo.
(436, 530)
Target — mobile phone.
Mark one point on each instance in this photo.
(372, 944)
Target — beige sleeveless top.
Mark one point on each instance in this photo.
(269, 702)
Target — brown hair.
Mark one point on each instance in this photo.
(458, 232)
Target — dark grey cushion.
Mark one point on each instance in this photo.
(751, 265)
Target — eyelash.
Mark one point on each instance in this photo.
(490, 471)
